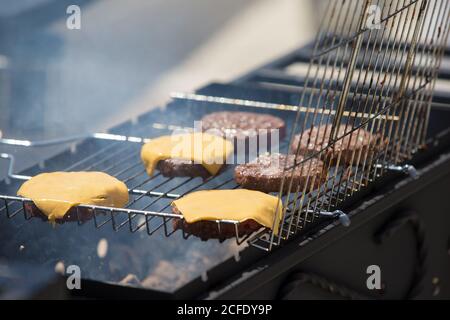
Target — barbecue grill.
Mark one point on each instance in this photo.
(382, 77)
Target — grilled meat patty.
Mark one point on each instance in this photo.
(56, 195)
(206, 230)
(182, 168)
(84, 214)
(314, 140)
(265, 173)
(230, 125)
(241, 125)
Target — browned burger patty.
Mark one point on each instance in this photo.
(241, 125)
(84, 214)
(182, 168)
(206, 230)
(265, 173)
(231, 125)
(317, 138)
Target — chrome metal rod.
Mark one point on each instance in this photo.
(11, 174)
(268, 105)
(50, 142)
(349, 75)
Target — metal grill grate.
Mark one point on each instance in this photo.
(150, 197)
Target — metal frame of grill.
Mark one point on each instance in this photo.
(388, 70)
(380, 80)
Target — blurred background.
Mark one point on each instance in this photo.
(128, 56)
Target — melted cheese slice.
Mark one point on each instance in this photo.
(239, 205)
(206, 149)
(57, 192)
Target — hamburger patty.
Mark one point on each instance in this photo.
(55, 195)
(182, 168)
(265, 173)
(241, 125)
(230, 125)
(317, 138)
(206, 230)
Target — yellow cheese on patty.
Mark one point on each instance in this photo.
(56, 193)
(238, 205)
(206, 149)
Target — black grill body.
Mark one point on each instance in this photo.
(398, 223)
